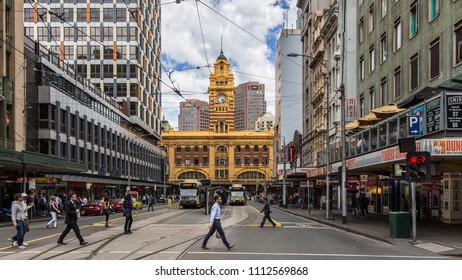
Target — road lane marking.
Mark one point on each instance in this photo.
(317, 255)
(433, 247)
(43, 238)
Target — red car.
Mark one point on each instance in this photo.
(93, 207)
(117, 204)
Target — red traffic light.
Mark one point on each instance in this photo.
(422, 159)
(413, 159)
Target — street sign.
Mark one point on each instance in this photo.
(413, 125)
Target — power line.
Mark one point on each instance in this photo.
(203, 40)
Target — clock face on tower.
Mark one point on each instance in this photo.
(221, 99)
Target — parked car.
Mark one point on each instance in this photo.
(93, 207)
(137, 204)
(117, 204)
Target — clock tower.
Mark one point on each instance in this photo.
(221, 96)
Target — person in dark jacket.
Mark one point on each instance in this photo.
(128, 208)
(266, 210)
(71, 221)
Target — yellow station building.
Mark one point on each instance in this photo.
(222, 154)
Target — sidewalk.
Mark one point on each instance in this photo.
(440, 238)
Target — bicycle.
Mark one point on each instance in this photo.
(330, 215)
(311, 210)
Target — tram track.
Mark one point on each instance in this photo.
(49, 253)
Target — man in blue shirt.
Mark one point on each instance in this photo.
(215, 225)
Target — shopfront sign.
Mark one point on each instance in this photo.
(454, 111)
(442, 146)
(314, 172)
(433, 116)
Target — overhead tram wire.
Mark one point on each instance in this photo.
(107, 48)
(203, 40)
(49, 28)
(160, 60)
(243, 29)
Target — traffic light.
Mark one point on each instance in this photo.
(418, 166)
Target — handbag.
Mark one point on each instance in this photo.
(26, 224)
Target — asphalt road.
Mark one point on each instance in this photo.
(177, 234)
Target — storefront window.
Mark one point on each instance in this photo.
(393, 131)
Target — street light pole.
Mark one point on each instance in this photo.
(327, 146)
(343, 154)
(284, 194)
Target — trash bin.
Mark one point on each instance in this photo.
(400, 224)
(281, 203)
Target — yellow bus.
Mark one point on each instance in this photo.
(237, 195)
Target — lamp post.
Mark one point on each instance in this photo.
(326, 118)
(284, 189)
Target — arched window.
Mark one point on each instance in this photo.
(255, 148)
(205, 148)
(221, 149)
(191, 175)
(238, 148)
(247, 148)
(265, 148)
(196, 148)
(187, 149)
(178, 149)
(251, 175)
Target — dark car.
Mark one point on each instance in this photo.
(93, 207)
(117, 204)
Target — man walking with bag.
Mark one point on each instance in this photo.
(215, 225)
(266, 210)
(71, 220)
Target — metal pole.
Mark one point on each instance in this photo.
(284, 194)
(308, 194)
(343, 151)
(129, 173)
(24, 178)
(165, 171)
(326, 80)
(414, 222)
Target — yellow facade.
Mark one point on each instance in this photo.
(221, 154)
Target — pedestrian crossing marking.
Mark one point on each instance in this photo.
(433, 247)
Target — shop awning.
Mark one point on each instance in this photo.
(352, 125)
(387, 110)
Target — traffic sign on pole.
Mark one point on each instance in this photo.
(413, 125)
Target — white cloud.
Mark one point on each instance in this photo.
(182, 45)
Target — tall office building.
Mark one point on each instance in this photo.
(250, 105)
(288, 89)
(194, 115)
(11, 76)
(113, 44)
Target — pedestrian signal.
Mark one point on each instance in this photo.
(418, 166)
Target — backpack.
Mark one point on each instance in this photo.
(42, 202)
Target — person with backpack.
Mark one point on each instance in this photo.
(106, 209)
(128, 209)
(54, 211)
(266, 210)
(43, 205)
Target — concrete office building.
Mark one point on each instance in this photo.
(194, 115)
(115, 45)
(250, 105)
